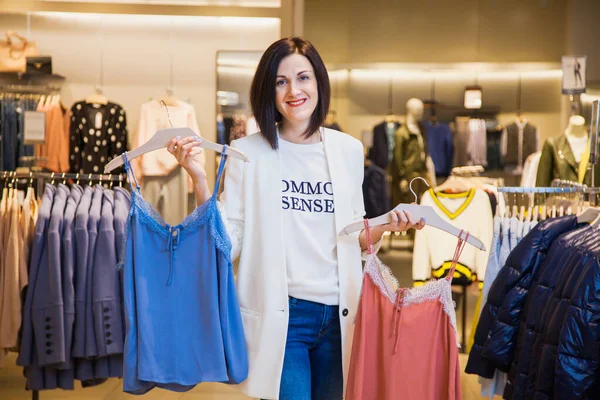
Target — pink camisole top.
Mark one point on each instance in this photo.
(405, 339)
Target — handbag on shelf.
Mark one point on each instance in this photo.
(41, 65)
(14, 52)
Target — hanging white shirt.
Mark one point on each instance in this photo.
(578, 146)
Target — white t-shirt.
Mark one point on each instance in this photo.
(578, 146)
(308, 223)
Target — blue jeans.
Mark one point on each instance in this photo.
(312, 366)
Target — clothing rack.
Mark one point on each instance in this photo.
(43, 177)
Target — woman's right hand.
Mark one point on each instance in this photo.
(185, 151)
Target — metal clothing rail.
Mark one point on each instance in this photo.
(566, 183)
(541, 190)
(12, 177)
(57, 176)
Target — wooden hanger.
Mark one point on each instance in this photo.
(419, 212)
(162, 138)
(455, 183)
(98, 97)
(170, 99)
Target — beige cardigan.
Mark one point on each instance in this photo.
(18, 224)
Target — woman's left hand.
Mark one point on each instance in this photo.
(402, 221)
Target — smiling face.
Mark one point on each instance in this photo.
(296, 92)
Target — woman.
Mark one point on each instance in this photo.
(298, 281)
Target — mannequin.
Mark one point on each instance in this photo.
(566, 156)
(414, 114)
(409, 158)
(576, 127)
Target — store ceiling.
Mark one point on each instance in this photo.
(235, 3)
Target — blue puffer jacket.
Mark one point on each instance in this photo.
(496, 334)
(557, 352)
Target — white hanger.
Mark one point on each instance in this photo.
(162, 138)
(417, 211)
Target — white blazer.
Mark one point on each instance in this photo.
(252, 210)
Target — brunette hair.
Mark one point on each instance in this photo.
(262, 91)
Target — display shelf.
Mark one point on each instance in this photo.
(25, 82)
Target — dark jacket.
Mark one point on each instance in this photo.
(410, 153)
(496, 333)
(558, 162)
(375, 192)
(530, 143)
(440, 147)
(379, 152)
(547, 309)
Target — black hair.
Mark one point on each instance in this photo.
(262, 91)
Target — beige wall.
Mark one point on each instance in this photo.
(583, 37)
(136, 56)
(436, 30)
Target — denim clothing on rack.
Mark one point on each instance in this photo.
(504, 243)
(491, 387)
(24, 150)
(514, 232)
(12, 118)
(9, 136)
(520, 228)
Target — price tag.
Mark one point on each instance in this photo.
(34, 127)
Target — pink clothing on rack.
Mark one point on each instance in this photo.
(405, 339)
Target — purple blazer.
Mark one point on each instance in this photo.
(91, 350)
(108, 318)
(48, 309)
(38, 254)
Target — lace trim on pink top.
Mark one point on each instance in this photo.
(386, 282)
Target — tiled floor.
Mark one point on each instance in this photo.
(12, 381)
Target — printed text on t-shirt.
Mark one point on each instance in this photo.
(316, 197)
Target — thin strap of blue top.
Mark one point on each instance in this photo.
(220, 171)
(130, 174)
